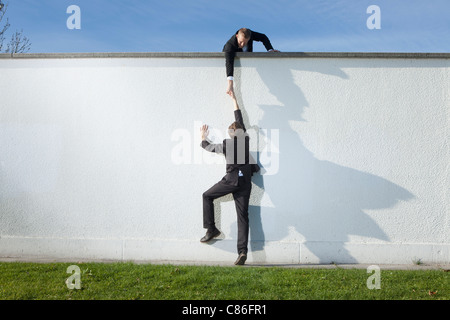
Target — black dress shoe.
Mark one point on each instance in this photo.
(241, 259)
(210, 235)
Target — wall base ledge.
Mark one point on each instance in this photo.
(221, 251)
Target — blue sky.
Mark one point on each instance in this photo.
(205, 25)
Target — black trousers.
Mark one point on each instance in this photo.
(241, 196)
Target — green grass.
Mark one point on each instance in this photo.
(101, 281)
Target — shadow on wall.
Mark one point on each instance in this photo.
(327, 201)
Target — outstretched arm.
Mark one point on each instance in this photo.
(235, 103)
(265, 40)
(237, 111)
(230, 49)
(229, 62)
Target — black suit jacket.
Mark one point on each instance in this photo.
(231, 47)
(237, 155)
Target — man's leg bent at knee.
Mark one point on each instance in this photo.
(216, 191)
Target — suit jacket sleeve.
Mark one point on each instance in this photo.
(229, 63)
(262, 38)
(212, 147)
(230, 50)
(238, 118)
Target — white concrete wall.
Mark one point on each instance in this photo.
(100, 158)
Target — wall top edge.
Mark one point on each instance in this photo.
(342, 55)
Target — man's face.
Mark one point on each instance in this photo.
(242, 41)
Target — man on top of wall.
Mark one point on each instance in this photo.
(242, 41)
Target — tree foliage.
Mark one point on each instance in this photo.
(18, 42)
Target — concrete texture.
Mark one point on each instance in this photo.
(100, 157)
